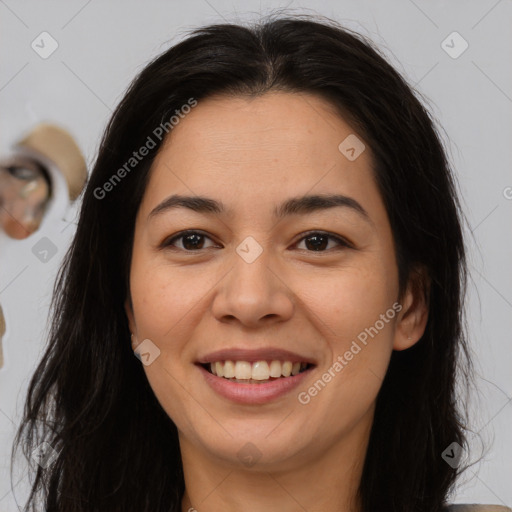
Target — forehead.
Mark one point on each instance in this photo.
(257, 149)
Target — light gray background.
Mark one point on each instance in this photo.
(103, 44)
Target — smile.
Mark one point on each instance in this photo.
(255, 372)
(254, 376)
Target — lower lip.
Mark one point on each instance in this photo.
(253, 393)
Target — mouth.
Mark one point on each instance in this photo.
(254, 376)
(256, 372)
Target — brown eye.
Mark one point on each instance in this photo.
(190, 241)
(193, 241)
(318, 241)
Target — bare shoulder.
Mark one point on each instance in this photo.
(478, 508)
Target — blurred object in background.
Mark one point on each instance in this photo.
(26, 177)
(56, 150)
(2, 332)
(28, 182)
(24, 195)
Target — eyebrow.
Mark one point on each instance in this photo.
(293, 206)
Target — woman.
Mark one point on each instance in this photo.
(272, 221)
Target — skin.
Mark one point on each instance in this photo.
(252, 154)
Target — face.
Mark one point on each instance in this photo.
(265, 281)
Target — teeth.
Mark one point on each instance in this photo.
(258, 371)
(287, 369)
(275, 369)
(242, 370)
(229, 369)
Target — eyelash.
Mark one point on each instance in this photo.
(167, 244)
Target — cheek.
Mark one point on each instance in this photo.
(349, 300)
(358, 308)
(163, 298)
(354, 310)
(167, 308)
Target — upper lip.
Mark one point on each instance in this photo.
(251, 356)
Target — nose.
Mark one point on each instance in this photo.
(253, 294)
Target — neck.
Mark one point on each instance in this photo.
(327, 482)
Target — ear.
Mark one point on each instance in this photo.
(128, 308)
(413, 316)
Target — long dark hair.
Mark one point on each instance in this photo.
(89, 399)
